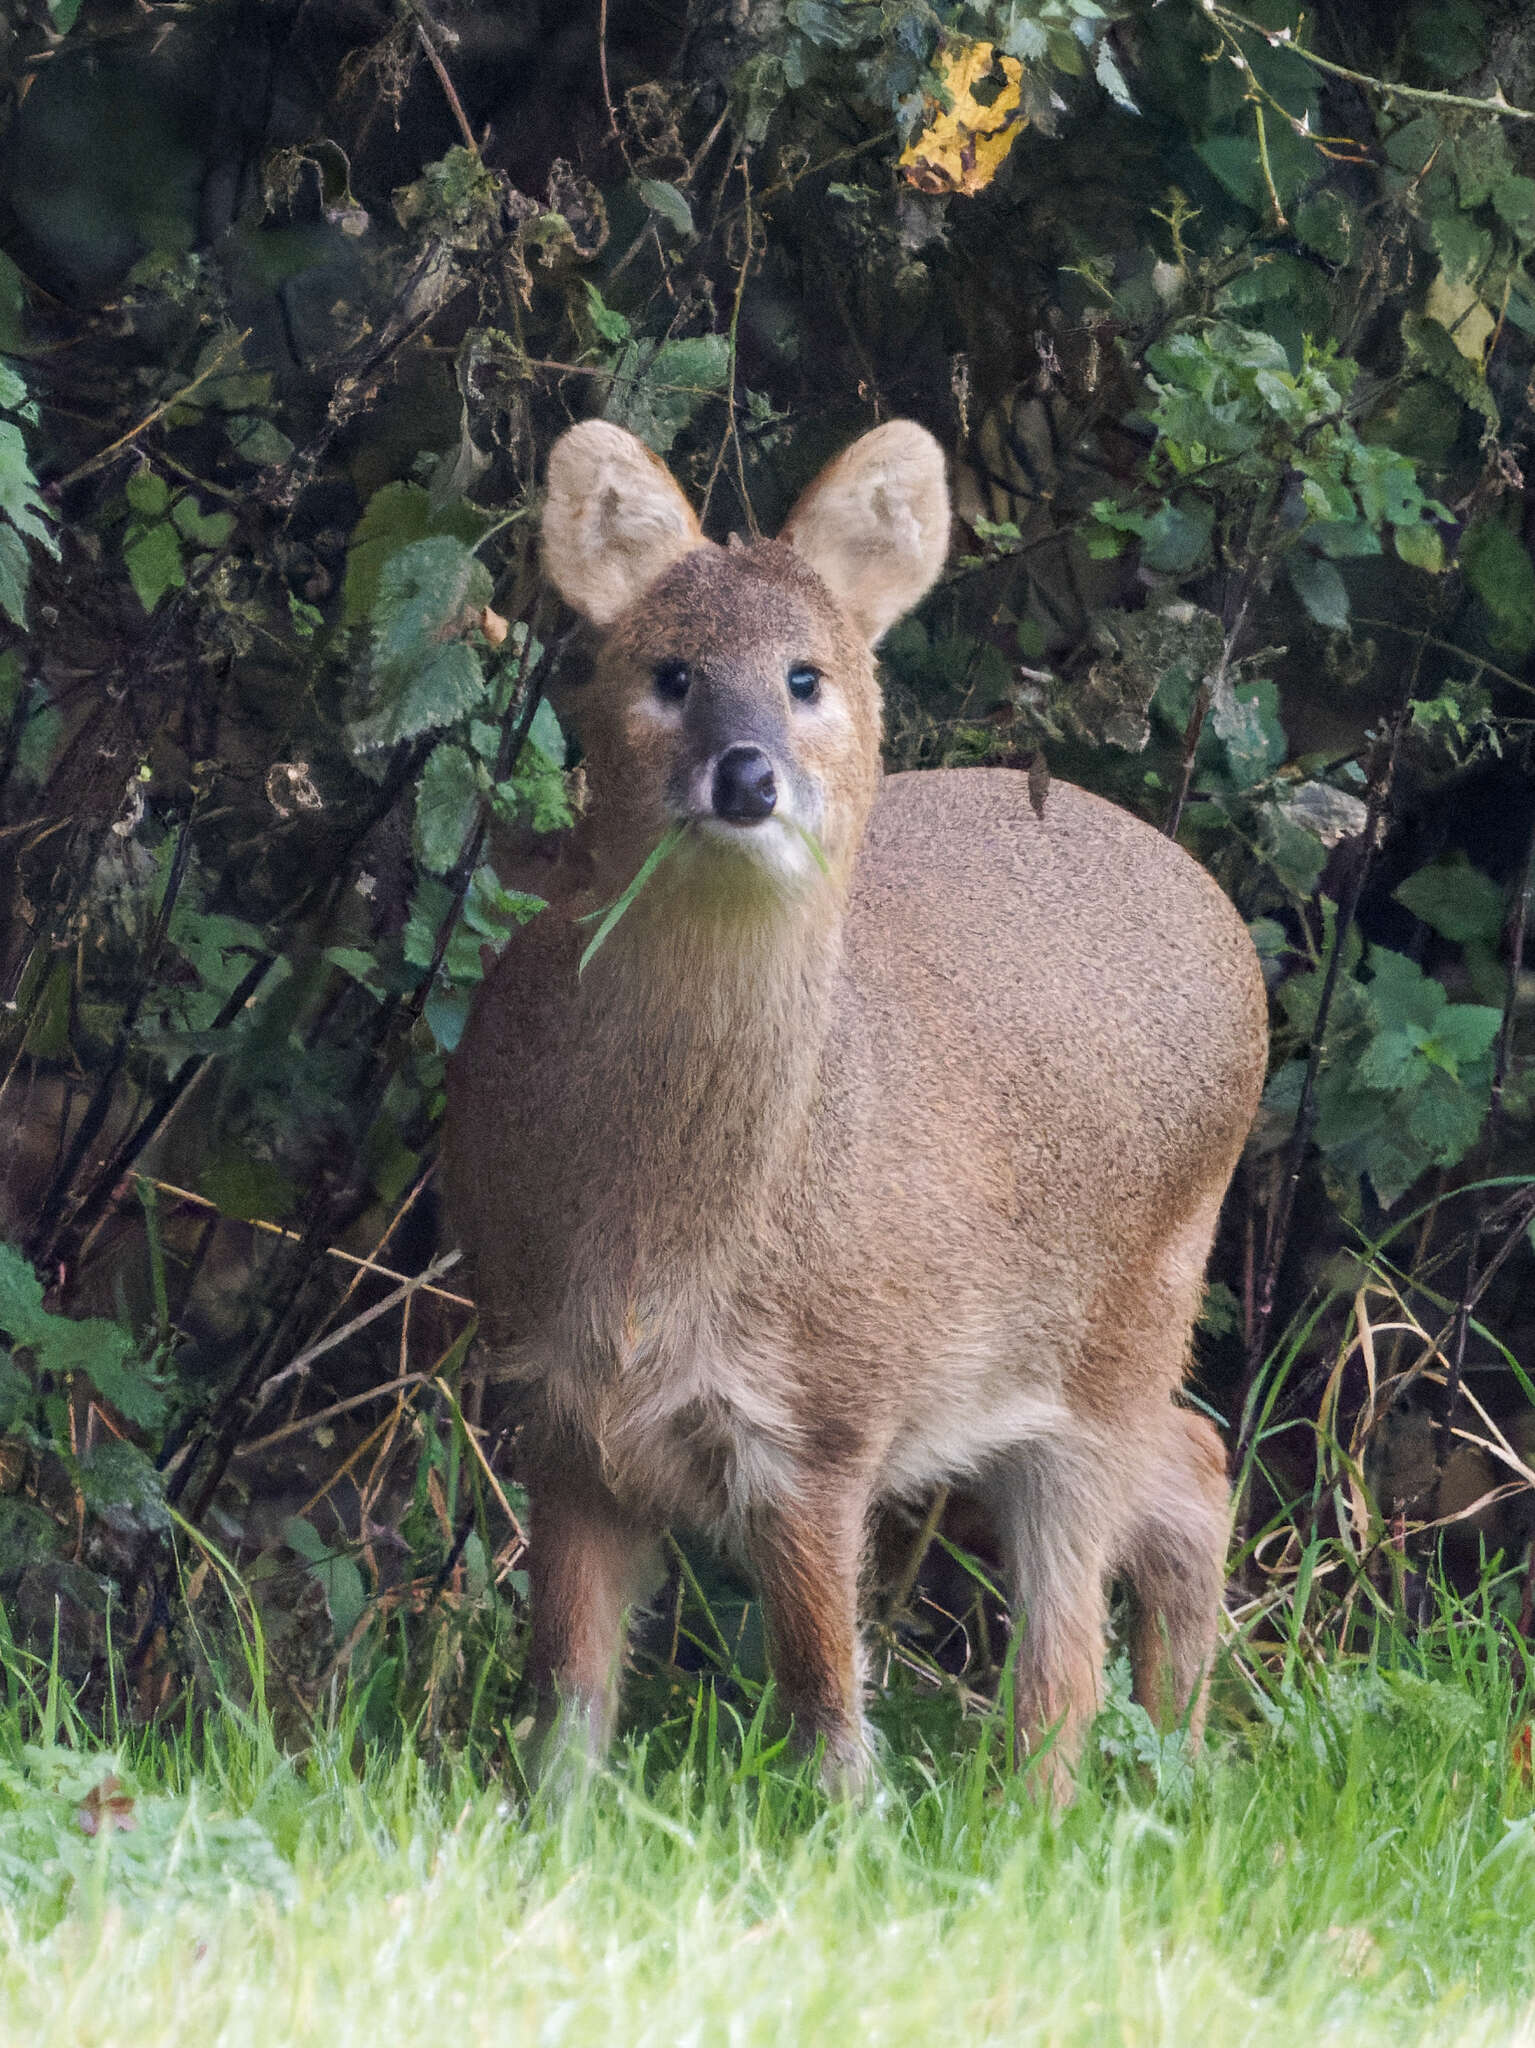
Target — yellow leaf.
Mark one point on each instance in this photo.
(961, 149)
(1457, 307)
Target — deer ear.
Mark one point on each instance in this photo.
(613, 520)
(875, 524)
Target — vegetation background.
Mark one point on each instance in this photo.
(1226, 317)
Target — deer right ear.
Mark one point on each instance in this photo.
(613, 520)
(875, 524)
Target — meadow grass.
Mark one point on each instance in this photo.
(1352, 1858)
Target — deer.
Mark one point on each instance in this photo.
(881, 1144)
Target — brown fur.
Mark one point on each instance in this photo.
(821, 1189)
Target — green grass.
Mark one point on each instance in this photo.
(1353, 1858)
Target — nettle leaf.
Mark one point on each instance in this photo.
(153, 558)
(1319, 587)
(1498, 568)
(1246, 722)
(447, 800)
(22, 1315)
(1463, 1035)
(19, 498)
(15, 575)
(1446, 1119)
(107, 1355)
(656, 391)
(1401, 993)
(448, 684)
(396, 515)
(1455, 899)
(425, 591)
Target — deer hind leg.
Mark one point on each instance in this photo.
(588, 1563)
(1048, 1506)
(1175, 1560)
(806, 1559)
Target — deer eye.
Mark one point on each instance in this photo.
(671, 680)
(804, 682)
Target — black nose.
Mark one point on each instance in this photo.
(744, 788)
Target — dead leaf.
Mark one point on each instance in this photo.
(1458, 308)
(961, 149)
(108, 1806)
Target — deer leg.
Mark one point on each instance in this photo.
(588, 1563)
(1049, 1515)
(1176, 1563)
(806, 1561)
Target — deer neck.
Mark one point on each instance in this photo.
(708, 1022)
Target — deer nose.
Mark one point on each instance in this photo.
(744, 789)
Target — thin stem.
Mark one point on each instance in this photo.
(158, 412)
(435, 60)
(1282, 39)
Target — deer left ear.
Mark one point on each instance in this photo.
(875, 524)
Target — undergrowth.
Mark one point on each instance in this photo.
(1354, 1850)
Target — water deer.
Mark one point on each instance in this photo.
(881, 1143)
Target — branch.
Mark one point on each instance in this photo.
(1282, 39)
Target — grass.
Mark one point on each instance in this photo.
(1353, 1857)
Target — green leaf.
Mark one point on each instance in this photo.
(19, 499)
(666, 200)
(1497, 566)
(1465, 1032)
(1420, 546)
(153, 558)
(1319, 587)
(248, 1190)
(106, 1354)
(611, 325)
(1177, 536)
(1400, 993)
(447, 801)
(333, 1570)
(257, 440)
(204, 529)
(396, 515)
(147, 492)
(1455, 899)
(22, 1315)
(446, 686)
(15, 575)
(361, 966)
(425, 591)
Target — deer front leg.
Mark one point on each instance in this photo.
(806, 1558)
(588, 1563)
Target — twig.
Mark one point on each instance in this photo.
(307, 1357)
(1282, 39)
(730, 437)
(435, 60)
(1277, 1235)
(332, 1251)
(1204, 697)
(158, 412)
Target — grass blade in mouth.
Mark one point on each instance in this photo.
(818, 852)
(615, 910)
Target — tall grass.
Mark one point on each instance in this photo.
(1352, 1857)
